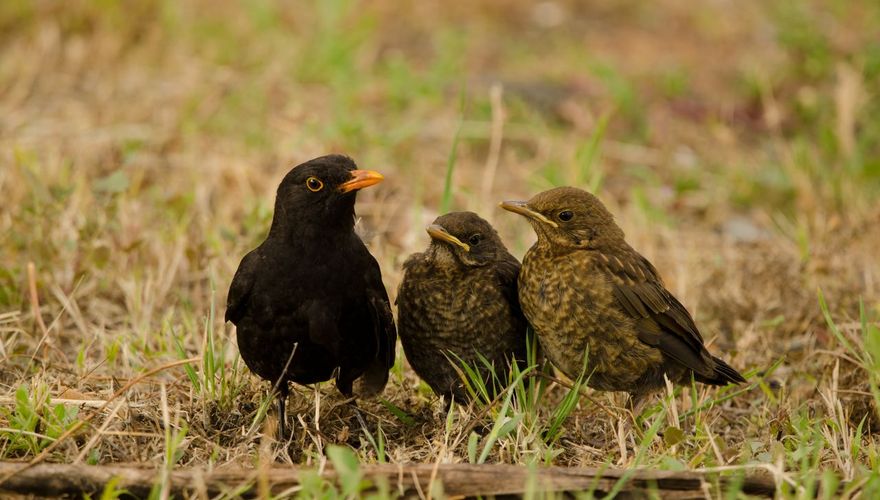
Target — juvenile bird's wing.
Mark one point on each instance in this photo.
(508, 275)
(408, 264)
(661, 320)
(507, 271)
(241, 286)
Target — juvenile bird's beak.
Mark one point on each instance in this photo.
(438, 232)
(522, 208)
(361, 179)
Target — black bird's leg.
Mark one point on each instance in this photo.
(283, 392)
(447, 401)
(283, 388)
(357, 410)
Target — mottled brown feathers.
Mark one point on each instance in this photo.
(587, 292)
(457, 302)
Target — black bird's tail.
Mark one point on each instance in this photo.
(723, 374)
(373, 380)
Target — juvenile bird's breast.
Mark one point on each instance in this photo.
(447, 317)
(570, 304)
(448, 311)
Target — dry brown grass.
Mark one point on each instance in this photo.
(140, 147)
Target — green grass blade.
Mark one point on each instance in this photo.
(446, 204)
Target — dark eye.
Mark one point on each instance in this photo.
(475, 239)
(565, 215)
(314, 184)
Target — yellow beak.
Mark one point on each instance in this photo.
(438, 232)
(522, 208)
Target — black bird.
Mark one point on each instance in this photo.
(457, 301)
(587, 292)
(308, 303)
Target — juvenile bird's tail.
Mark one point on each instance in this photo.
(723, 374)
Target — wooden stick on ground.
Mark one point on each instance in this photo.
(457, 479)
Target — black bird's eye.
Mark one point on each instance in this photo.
(314, 184)
(475, 239)
(565, 215)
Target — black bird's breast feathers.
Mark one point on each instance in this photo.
(326, 304)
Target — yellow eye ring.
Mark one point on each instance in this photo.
(314, 184)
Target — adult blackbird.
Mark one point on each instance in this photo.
(590, 296)
(308, 303)
(457, 302)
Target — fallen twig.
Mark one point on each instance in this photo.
(409, 479)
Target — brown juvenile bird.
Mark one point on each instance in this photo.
(588, 294)
(308, 303)
(457, 301)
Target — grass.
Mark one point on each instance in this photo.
(738, 148)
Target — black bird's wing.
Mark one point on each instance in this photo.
(661, 320)
(386, 333)
(241, 286)
(376, 376)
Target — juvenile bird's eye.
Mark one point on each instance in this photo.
(314, 184)
(475, 239)
(565, 215)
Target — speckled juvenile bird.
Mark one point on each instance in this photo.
(308, 303)
(458, 298)
(588, 294)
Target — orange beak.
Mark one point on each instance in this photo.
(361, 179)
